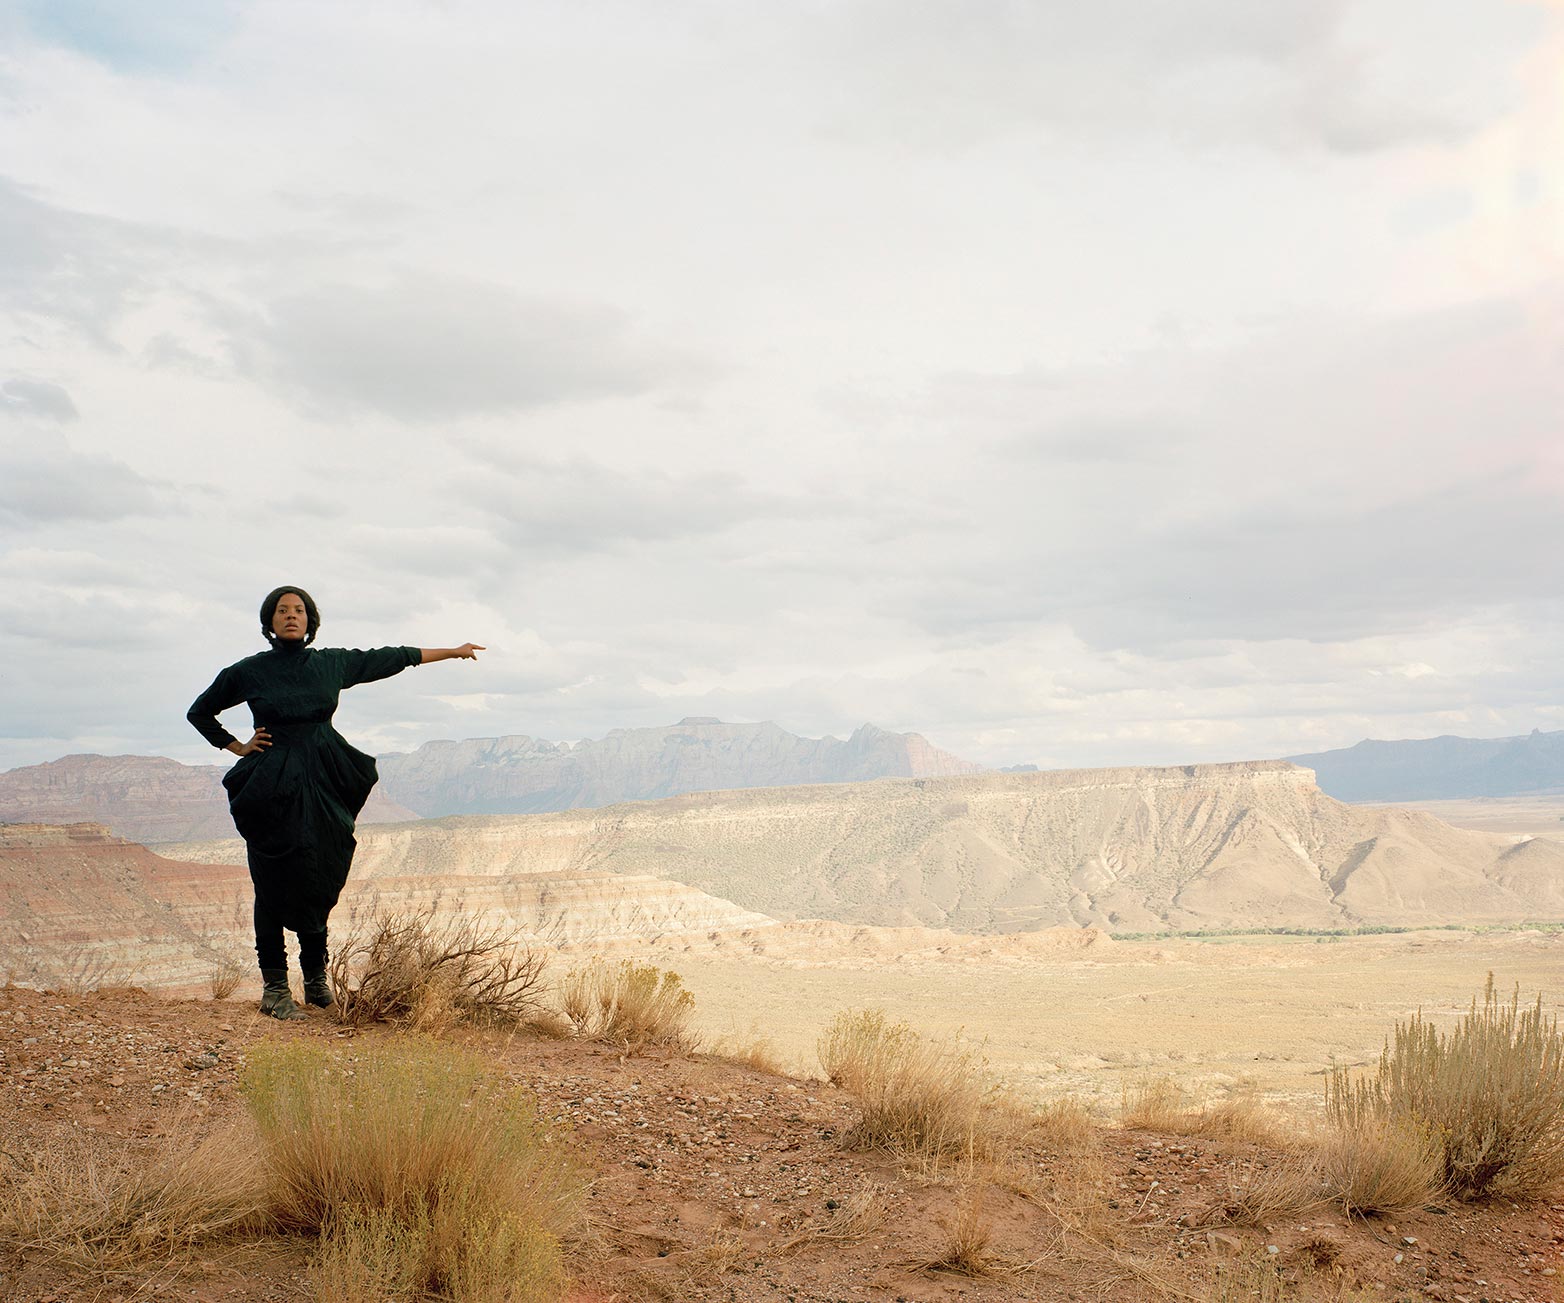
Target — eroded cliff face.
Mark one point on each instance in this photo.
(1240, 845)
(148, 799)
(80, 906)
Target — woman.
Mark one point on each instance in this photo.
(298, 785)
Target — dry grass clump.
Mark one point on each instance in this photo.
(756, 1051)
(103, 1218)
(1489, 1094)
(855, 1218)
(968, 1248)
(1064, 1124)
(1375, 1167)
(432, 973)
(227, 971)
(917, 1099)
(1268, 1192)
(421, 1172)
(1162, 1105)
(628, 1004)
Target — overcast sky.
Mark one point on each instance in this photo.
(1142, 381)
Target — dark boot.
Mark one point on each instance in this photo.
(317, 990)
(276, 999)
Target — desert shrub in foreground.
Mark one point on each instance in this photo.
(430, 973)
(916, 1098)
(1375, 1167)
(105, 1218)
(627, 1004)
(421, 1172)
(1489, 1094)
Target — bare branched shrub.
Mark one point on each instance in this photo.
(1490, 1093)
(92, 1216)
(417, 1167)
(431, 973)
(917, 1099)
(628, 1004)
(1373, 1166)
(80, 972)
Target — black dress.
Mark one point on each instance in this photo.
(295, 802)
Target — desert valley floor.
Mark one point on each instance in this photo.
(1267, 1013)
(1216, 1014)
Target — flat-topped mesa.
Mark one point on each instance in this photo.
(1247, 844)
(1259, 775)
(1256, 771)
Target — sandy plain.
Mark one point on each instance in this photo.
(1537, 815)
(1217, 1015)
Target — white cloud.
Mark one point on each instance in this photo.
(36, 398)
(424, 347)
(1072, 383)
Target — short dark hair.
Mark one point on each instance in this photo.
(269, 609)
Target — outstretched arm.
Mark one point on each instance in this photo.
(468, 651)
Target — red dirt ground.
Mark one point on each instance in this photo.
(715, 1181)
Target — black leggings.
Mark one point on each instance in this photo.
(270, 948)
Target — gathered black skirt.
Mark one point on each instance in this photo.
(295, 805)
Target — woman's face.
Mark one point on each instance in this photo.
(290, 621)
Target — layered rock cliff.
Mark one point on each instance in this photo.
(79, 906)
(1241, 845)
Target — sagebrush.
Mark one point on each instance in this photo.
(420, 1171)
(1488, 1094)
(628, 1004)
(916, 1098)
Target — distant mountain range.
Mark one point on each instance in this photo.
(152, 799)
(524, 775)
(1440, 768)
